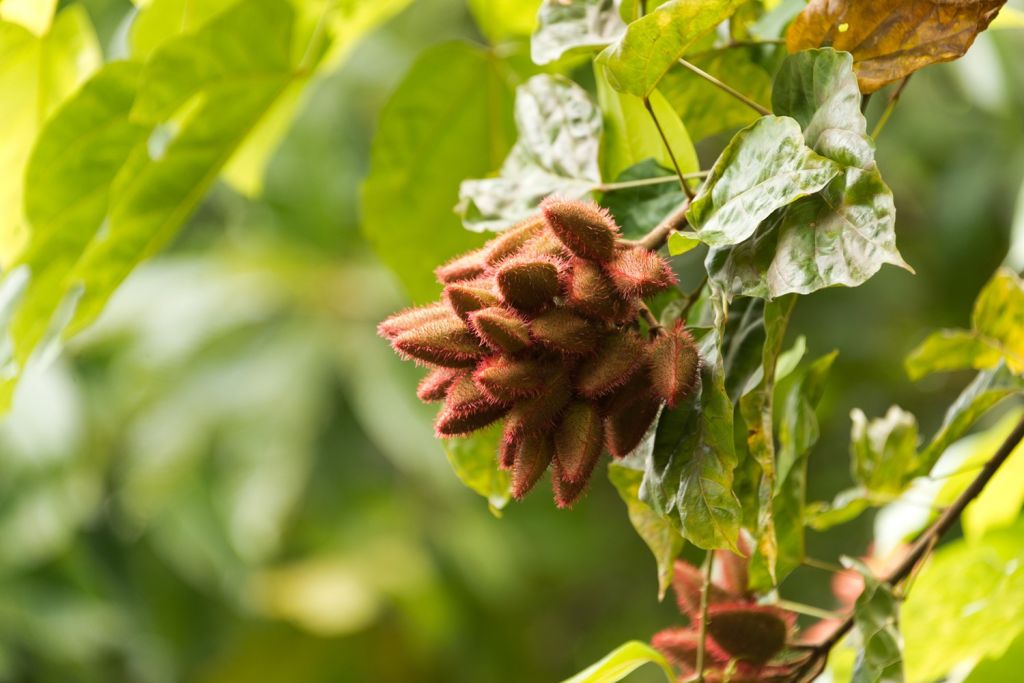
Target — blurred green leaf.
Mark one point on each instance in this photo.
(449, 119)
(653, 43)
(765, 167)
(876, 618)
(162, 20)
(567, 25)
(556, 153)
(638, 209)
(621, 662)
(679, 243)
(34, 15)
(884, 451)
(1000, 668)
(475, 461)
(502, 20)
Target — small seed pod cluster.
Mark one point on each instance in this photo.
(539, 327)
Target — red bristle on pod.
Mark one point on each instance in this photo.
(675, 365)
(464, 267)
(750, 632)
(639, 272)
(540, 413)
(620, 354)
(733, 568)
(410, 318)
(467, 409)
(584, 227)
(579, 440)
(510, 242)
(529, 284)
(510, 444)
(469, 296)
(500, 329)
(562, 330)
(679, 645)
(434, 387)
(532, 459)
(445, 341)
(507, 379)
(566, 492)
(630, 414)
(687, 582)
(589, 291)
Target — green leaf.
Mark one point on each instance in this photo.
(995, 333)
(656, 530)
(765, 167)
(34, 15)
(841, 236)
(448, 120)
(638, 209)
(502, 20)
(884, 451)
(474, 459)
(689, 474)
(569, 25)
(876, 618)
(621, 662)
(37, 73)
(819, 89)
(846, 506)
(680, 243)
(556, 153)
(162, 20)
(1001, 668)
(967, 603)
(652, 44)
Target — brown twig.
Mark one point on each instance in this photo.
(657, 237)
(652, 323)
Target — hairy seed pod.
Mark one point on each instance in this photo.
(464, 267)
(434, 387)
(630, 415)
(510, 242)
(679, 645)
(410, 318)
(508, 450)
(532, 459)
(469, 296)
(445, 342)
(545, 244)
(687, 582)
(753, 633)
(675, 365)
(540, 413)
(589, 291)
(619, 356)
(566, 492)
(528, 284)
(585, 228)
(500, 329)
(467, 409)
(562, 330)
(579, 441)
(506, 379)
(640, 273)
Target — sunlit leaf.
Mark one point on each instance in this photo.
(449, 119)
(621, 662)
(556, 153)
(892, 40)
(502, 20)
(679, 243)
(162, 20)
(876, 618)
(884, 450)
(474, 459)
(1000, 668)
(567, 25)
(34, 15)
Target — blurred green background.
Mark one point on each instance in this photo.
(228, 478)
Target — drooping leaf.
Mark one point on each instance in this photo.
(621, 662)
(638, 209)
(657, 531)
(502, 20)
(448, 120)
(568, 25)
(556, 153)
(876, 618)
(653, 43)
(884, 451)
(891, 40)
(765, 167)
(474, 459)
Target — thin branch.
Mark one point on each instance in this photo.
(657, 237)
(809, 610)
(726, 88)
(890, 105)
(668, 147)
(702, 638)
(644, 182)
(652, 323)
(823, 565)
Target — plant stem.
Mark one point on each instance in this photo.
(809, 610)
(821, 564)
(705, 589)
(668, 148)
(657, 237)
(652, 322)
(644, 182)
(726, 88)
(893, 99)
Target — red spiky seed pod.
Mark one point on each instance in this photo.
(508, 449)
(507, 379)
(563, 331)
(630, 415)
(589, 291)
(566, 492)
(752, 633)
(510, 242)
(579, 440)
(620, 354)
(687, 581)
(472, 295)
(410, 318)
(679, 645)
(465, 267)
(434, 386)
(637, 272)
(544, 244)
(500, 329)
(531, 460)
(445, 341)
(675, 365)
(467, 409)
(584, 227)
(528, 284)
(540, 413)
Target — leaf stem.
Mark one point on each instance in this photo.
(657, 237)
(822, 564)
(705, 589)
(644, 182)
(809, 610)
(725, 88)
(652, 322)
(668, 148)
(890, 105)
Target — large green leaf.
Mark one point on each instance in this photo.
(449, 119)
(995, 333)
(34, 15)
(568, 25)
(876, 618)
(556, 153)
(653, 43)
(765, 167)
(884, 451)
(621, 662)
(162, 20)
(474, 459)
(502, 20)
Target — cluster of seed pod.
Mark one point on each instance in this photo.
(539, 327)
